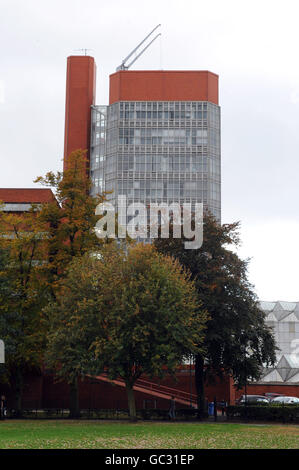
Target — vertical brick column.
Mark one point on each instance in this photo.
(80, 95)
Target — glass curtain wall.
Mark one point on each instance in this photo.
(158, 152)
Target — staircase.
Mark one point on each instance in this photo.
(156, 390)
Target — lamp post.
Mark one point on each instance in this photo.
(244, 350)
(2, 352)
(191, 381)
(245, 370)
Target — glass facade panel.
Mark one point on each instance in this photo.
(98, 149)
(158, 152)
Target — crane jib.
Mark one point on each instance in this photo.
(123, 65)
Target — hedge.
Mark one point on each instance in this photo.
(185, 413)
(271, 412)
(146, 414)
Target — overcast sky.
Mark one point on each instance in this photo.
(252, 46)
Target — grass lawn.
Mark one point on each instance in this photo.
(62, 434)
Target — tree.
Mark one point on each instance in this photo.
(23, 293)
(71, 217)
(5, 293)
(40, 244)
(237, 340)
(71, 221)
(132, 312)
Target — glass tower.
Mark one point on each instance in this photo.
(157, 151)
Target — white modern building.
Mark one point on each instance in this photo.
(283, 317)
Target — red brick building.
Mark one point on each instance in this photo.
(20, 200)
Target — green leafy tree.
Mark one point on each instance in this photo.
(23, 293)
(71, 220)
(127, 312)
(237, 340)
(40, 244)
(5, 293)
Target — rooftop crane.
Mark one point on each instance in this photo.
(123, 65)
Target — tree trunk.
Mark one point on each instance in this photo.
(74, 399)
(18, 393)
(131, 402)
(200, 386)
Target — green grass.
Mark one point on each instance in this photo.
(122, 435)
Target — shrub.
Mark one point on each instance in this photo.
(271, 412)
(184, 413)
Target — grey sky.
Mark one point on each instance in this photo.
(252, 46)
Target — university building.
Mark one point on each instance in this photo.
(158, 140)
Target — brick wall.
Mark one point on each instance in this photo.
(80, 95)
(261, 389)
(163, 85)
(43, 391)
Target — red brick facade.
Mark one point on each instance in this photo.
(26, 195)
(285, 389)
(80, 96)
(44, 392)
(160, 85)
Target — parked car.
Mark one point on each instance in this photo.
(252, 399)
(286, 400)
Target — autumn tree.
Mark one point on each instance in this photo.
(237, 340)
(71, 216)
(71, 220)
(40, 245)
(5, 293)
(127, 312)
(23, 293)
